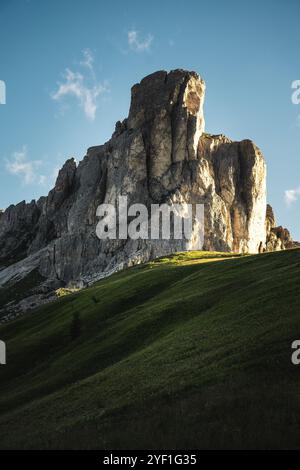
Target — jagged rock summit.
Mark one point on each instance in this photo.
(159, 154)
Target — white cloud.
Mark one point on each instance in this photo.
(42, 173)
(75, 84)
(138, 45)
(26, 169)
(291, 195)
(88, 59)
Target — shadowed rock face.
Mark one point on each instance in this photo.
(160, 154)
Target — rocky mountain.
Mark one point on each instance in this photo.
(278, 238)
(159, 154)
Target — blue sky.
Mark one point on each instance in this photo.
(69, 65)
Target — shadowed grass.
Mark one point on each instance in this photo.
(188, 351)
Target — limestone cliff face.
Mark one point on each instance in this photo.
(159, 154)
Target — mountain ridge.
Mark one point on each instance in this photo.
(159, 154)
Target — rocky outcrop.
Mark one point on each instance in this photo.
(18, 227)
(278, 238)
(159, 154)
(236, 211)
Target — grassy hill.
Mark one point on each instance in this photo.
(189, 351)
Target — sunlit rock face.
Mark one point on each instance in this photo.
(159, 154)
(278, 238)
(235, 212)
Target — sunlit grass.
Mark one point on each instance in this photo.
(188, 351)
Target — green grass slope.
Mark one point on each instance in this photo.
(190, 351)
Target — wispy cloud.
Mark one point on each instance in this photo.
(76, 84)
(88, 59)
(137, 44)
(291, 196)
(26, 169)
(34, 172)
